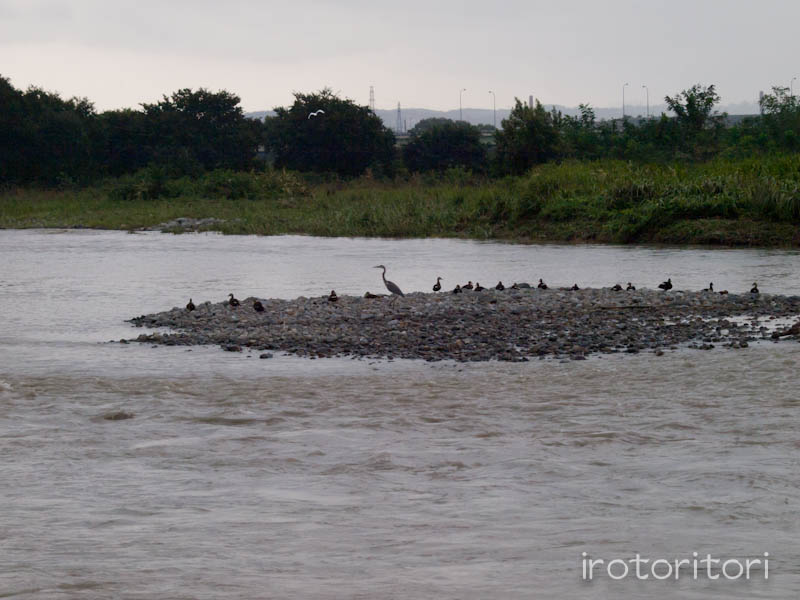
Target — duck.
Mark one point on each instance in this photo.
(723, 292)
(457, 289)
(190, 307)
(257, 306)
(754, 289)
(542, 285)
(467, 286)
(437, 286)
(371, 296)
(667, 285)
(500, 286)
(631, 287)
(479, 287)
(710, 287)
(617, 287)
(514, 286)
(574, 287)
(333, 297)
(233, 301)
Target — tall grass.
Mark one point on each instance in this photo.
(744, 201)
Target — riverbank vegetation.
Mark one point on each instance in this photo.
(752, 201)
(327, 166)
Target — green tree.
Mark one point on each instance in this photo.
(202, 128)
(445, 145)
(580, 134)
(324, 133)
(699, 124)
(429, 123)
(529, 136)
(44, 138)
(781, 118)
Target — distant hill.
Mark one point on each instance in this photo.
(483, 116)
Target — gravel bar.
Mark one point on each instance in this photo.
(509, 325)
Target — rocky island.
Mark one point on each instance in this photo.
(508, 325)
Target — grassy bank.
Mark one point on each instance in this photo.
(730, 202)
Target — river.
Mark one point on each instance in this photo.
(339, 478)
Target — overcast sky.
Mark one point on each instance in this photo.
(119, 54)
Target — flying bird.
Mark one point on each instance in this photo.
(316, 113)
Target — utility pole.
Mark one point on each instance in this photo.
(647, 90)
(460, 111)
(494, 109)
(623, 100)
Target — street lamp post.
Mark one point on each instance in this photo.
(623, 100)
(647, 91)
(494, 109)
(460, 110)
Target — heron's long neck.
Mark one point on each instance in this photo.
(384, 274)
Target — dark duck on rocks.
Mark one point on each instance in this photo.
(667, 285)
(233, 301)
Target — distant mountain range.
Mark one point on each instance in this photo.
(480, 116)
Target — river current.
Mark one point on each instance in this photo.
(339, 478)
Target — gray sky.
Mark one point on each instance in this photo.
(421, 54)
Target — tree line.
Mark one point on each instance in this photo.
(47, 140)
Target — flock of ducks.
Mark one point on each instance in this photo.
(395, 290)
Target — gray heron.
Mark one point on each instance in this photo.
(391, 286)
